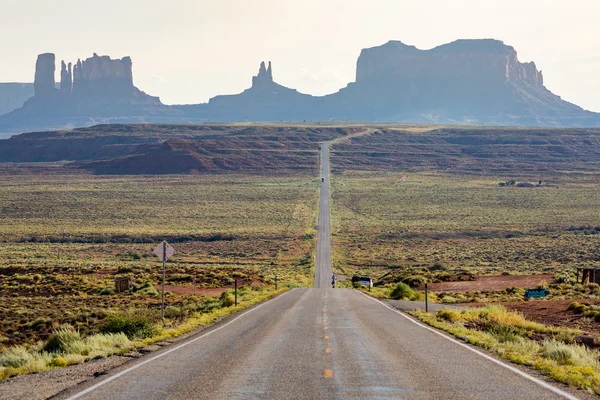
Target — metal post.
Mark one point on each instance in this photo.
(236, 291)
(275, 282)
(163, 281)
(426, 299)
(193, 286)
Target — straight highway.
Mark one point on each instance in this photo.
(318, 343)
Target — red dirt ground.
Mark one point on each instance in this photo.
(497, 282)
(552, 312)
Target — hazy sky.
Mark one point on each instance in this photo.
(186, 51)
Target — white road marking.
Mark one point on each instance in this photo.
(487, 357)
(125, 371)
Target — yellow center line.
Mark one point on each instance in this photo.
(325, 328)
(328, 350)
(327, 373)
(326, 337)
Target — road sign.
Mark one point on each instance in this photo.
(536, 293)
(164, 251)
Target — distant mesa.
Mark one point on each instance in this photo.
(464, 82)
(13, 95)
(97, 89)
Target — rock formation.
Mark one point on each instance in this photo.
(66, 78)
(463, 82)
(474, 60)
(44, 75)
(264, 77)
(96, 89)
(14, 95)
(103, 76)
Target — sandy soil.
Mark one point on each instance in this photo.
(498, 282)
(553, 312)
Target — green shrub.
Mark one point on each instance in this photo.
(148, 291)
(402, 291)
(173, 312)
(448, 315)
(504, 333)
(133, 323)
(108, 290)
(573, 305)
(61, 339)
(559, 352)
(15, 357)
(580, 309)
(58, 362)
(227, 299)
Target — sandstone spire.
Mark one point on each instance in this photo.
(66, 78)
(44, 74)
(265, 76)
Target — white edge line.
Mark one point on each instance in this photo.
(136, 366)
(492, 359)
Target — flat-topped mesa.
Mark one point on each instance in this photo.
(103, 76)
(265, 75)
(44, 75)
(473, 60)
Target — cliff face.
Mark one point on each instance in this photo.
(474, 60)
(14, 95)
(103, 76)
(463, 82)
(98, 89)
(265, 100)
(44, 75)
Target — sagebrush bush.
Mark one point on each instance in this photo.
(132, 323)
(227, 299)
(173, 312)
(62, 339)
(402, 292)
(15, 357)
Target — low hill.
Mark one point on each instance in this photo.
(172, 149)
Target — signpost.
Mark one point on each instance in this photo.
(426, 299)
(164, 251)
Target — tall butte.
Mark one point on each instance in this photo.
(44, 75)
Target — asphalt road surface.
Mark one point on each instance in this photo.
(323, 272)
(319, 343)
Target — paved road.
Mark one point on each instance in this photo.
(323, 272)
(319, 343)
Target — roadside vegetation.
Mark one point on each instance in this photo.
(434, 226)
(65, 238)
(552, 350)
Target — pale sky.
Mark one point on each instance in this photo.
(187, 51)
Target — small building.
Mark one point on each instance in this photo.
(122, 284)
(587, 275)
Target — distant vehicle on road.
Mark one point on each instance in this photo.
(363, 281)
(322, 179)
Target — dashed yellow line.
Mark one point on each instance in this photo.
(326, 337)
(328, 350)
(327, 373)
